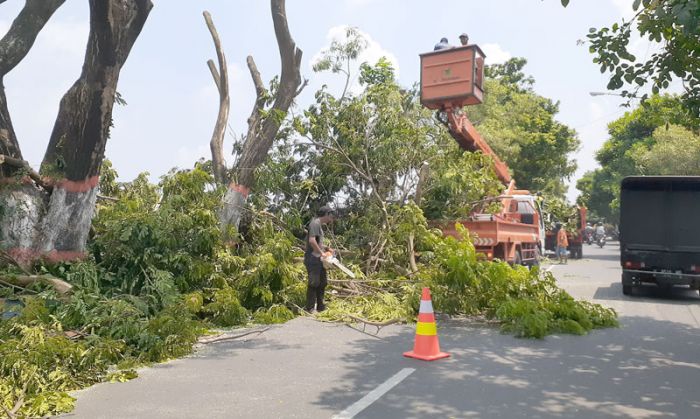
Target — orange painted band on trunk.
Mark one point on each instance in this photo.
(426, 317)
(243, 190)
(23, 254)
(78, 186)
(64, 256)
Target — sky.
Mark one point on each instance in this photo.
(173, 102)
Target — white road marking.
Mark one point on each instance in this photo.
(374, 395)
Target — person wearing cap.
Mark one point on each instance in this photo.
(464, 39)
(318, 278)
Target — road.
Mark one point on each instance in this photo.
(647, 368)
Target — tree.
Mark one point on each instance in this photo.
(631, 136)
(676, 151)
(520, 127)
(340, 55)
(263, 124)
(675, 25)
(50, 214)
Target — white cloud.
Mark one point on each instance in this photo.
(371, 54)
(495, 54)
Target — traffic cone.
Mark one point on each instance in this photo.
(426, 346)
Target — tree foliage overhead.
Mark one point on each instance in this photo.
(640, 143)
(159, 271)
(521, 128)
(675, 151)
(672, 24)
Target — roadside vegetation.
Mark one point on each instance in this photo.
(159, 273)
(660, 137)
(161, 270)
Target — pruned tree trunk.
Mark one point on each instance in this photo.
(221, 80)
(262, 131)
(54, 222)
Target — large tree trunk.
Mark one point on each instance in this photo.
(262, 131)
(54, 222)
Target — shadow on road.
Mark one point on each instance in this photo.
(593, 253)
(676, 295)
(610, 373)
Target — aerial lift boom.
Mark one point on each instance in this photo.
(451, 79)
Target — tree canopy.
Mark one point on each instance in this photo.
(674, 25)
(641, 142)
(520, 126)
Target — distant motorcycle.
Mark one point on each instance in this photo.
(600, 241)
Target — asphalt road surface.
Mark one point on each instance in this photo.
(647, 368)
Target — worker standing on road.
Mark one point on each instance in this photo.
(318, 278)
(562, 244)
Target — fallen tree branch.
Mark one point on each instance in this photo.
(378, 325)
(4, 256)
(7, 284)
(220, 338)
(61, 287)
(107, 198)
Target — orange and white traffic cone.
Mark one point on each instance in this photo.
(426, 346)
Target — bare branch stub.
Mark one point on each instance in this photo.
(255, 148)
(262, 131)
(14, 46)
(220, 77)
(260, 98)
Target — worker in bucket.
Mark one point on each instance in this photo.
(443, 44)
(318, 278)
(464, 39)
(562, 244)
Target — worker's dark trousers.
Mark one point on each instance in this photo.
(318, 279)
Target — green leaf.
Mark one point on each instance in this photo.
(635, 5)
(564, 3)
